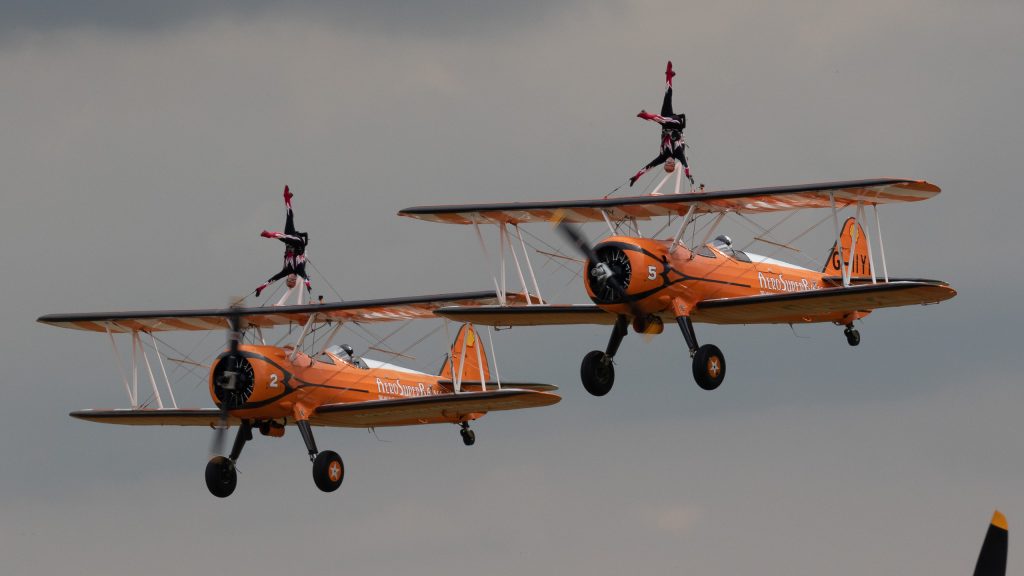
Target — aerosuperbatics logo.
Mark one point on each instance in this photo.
(387, 388)
(779, 283)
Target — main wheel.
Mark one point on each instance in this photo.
(852, 336)
(709, 367)
(328, 471)
(597, 373)
(468, 436)
(221, 477)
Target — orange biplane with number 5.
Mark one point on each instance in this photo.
(646, 281)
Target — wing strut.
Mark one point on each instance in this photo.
(682, 227)
(881, 246)
(529, 266)
(839, 241)
(124, 377)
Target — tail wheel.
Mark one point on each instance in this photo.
(852, 336)
(597, 373)
(328, 471)
(221, 477)
(709, 367)
(468, 436)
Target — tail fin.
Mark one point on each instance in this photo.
(467, 358)
(857, 262)
(992, 559)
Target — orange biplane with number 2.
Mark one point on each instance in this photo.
(642, 282)
(263, 387)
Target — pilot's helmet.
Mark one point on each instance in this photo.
(723, 240)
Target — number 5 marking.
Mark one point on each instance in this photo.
(652, 273)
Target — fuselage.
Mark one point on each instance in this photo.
(274, 386)
(660, 282)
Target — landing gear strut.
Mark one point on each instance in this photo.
(328, 468)
(708, 360)
(597, 370)
(221, 476)
(852, 335)
(468, 436)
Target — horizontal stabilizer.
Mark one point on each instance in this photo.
(992, 559)
(471, 385)
(155, 417)
(449, 408)
(362, 311)
(824, 305)
(541, 315)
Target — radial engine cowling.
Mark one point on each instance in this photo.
(232, 380)
(609, 275)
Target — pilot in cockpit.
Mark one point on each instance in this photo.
(722, 243)
(349, 352)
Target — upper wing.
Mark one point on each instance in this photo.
(745, 201)
(825, 305)
(155, 417)
(428, 409)
(383, 310)
(538, 315)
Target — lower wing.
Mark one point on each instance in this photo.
(428, 409)
(156, 417)
(539, 315)
(825, 305)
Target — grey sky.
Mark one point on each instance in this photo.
(144, 148)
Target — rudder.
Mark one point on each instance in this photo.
(466, 363)
(858, 264)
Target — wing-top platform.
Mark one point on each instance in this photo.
(362, 311)
(742, 201)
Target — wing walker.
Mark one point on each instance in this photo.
(305, 383)
(643, 282)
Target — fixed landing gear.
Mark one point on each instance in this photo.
(328, 468)
(852, 335)
(597, 371)
(708, 360)
(328, 471)
(221, 476)
(468, 436)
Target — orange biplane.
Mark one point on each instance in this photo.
(267, 387)
(645, 281)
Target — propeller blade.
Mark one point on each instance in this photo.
(576, 237)
(227, 382)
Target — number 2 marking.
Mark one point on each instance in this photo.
(273, 381)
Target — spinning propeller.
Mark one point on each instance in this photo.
(232, 381)
(609, 268)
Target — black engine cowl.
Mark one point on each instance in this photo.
(244, 377)
(611, 260)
